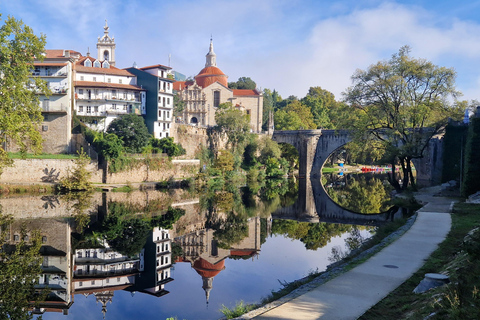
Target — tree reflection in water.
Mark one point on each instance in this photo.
(362, 193)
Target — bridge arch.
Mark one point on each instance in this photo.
(314, 147)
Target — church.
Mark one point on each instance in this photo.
(209, 89)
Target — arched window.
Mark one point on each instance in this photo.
(105, 64)
(194, 120)
(106, 55)
(87, 63)
(96, 64)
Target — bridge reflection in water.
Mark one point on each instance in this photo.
(314, 205)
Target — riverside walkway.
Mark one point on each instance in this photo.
(351, 294)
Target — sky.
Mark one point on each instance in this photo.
(286, 45)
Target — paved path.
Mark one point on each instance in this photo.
(349, 295)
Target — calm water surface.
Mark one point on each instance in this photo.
(117, 260)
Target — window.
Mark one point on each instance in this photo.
(109, 80)
(80, 91)
(168, 114)
(168, 101)
(114, 94)
(16, 237)
(216, 99)
(125, 107)
(248, 111)
(164, 126)
(163, 101)
(89, 109)
(96, 64)
(94, 79)
(164, 117)
(125, 95)
(80, 284)
(46, 104)
(119, 80)
(168, 86)
(82, 78)
(166, 259)
(80, 108)
(95, 109)
(93, 282)
(44, 239)
(107, 280)
(105, 64)
(114, 106)
(87, 63)
(79, 254)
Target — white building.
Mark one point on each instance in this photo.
(56, 70)
(158, 82)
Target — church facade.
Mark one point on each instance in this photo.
(208, 90)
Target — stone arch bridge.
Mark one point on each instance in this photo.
(314, 147)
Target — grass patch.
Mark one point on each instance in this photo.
(459, 300)
(239, 309)
(18, 155)
(23, 189)
(329, 170)
(126, 188)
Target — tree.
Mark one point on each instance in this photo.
(403, 104)
(132, 130)
(295, 116)
(234, 122)
(178, 104)
(166, 145)
(20, 269)
(243, 83)
(320, 102)
(20, 112)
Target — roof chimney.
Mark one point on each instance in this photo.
(67, 54)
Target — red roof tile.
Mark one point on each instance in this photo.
(245, 92)
(49, 64)
(79, 67)
(155, 66)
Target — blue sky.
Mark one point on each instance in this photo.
(284, 45)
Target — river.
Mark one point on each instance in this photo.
(127, 256)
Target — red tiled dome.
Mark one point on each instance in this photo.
(208, 270)
(209, 75)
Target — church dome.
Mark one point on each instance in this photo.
(207, 269)
(209, 75)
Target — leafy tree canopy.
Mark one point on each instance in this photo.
(20, 112)
(295, 116)
(132, 130)
(320, 102)
(403, 103)
(234, 122)
(243, 83)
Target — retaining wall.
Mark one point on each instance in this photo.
(32, 171)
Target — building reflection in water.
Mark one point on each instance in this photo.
(201, 250)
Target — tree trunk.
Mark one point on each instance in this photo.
(410, 172)
(392, 178)
(406, 176)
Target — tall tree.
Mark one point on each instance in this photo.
(403, 104)
(295, 116)
(132, 130)
(320, 102)
(20, 112)
(234, 122)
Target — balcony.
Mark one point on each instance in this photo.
(55, 108)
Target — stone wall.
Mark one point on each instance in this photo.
(32, 171)
(191, 138)
(44, 170)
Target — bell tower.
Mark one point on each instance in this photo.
(106, 47)
(211, 56)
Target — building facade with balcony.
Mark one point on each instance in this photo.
(57, 70)
(158, 82)
(103, 93)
